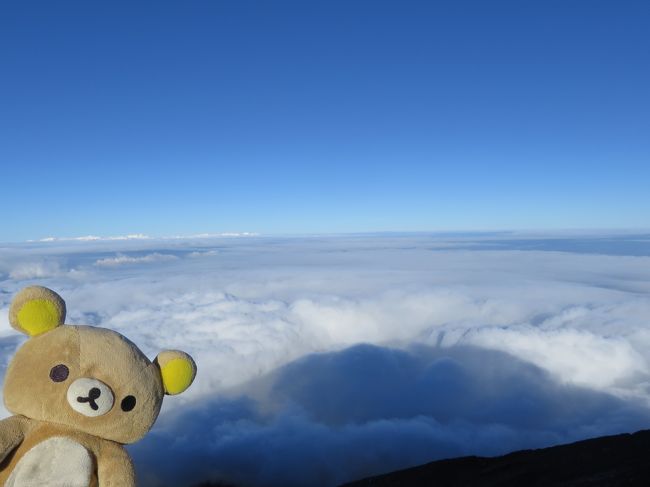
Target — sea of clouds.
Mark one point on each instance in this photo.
(326, 359)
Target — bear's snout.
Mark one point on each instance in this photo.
(90, 397)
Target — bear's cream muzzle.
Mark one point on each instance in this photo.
(90, 397)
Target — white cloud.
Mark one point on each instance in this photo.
(142, 236)
(576, 356)
(122, 259)
(206, 253)
(94, 238)
(244, 308)
(214, 235)
(35, 270)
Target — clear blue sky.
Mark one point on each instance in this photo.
(334, 116)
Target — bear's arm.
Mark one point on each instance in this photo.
(114, 466)
(12, 433)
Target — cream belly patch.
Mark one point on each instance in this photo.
(56, 462)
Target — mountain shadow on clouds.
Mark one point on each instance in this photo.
(368, 383)
(334, 417)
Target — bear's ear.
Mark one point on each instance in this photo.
(177, 370)
(35, 310)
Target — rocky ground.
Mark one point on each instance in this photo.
(621, 460)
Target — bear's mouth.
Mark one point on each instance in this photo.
(93, 394)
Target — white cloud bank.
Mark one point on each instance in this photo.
(523, 342)
(121, 259)
(140, 236)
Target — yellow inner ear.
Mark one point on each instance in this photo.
(177, 375)
(38, 316)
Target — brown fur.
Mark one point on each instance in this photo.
(112, 463)
(43, 410)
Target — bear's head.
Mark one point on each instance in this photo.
(91, 379)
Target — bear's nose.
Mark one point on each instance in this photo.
(90, 397)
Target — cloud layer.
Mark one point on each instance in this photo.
(473, 344)
(332, 417)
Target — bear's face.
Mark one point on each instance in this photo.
(90, 379)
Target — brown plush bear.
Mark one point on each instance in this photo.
(78, 394)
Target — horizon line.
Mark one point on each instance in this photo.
(550, 231)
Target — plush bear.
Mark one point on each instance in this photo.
(79, 393)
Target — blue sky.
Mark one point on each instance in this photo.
(341, 116)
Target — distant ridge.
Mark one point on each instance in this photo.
(611, 461)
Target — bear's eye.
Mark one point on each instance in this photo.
(128, 403)
(59, 373)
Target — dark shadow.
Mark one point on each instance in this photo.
(334, 417)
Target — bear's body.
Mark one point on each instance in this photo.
(55, 455)
(78, 394)
(55, 458)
